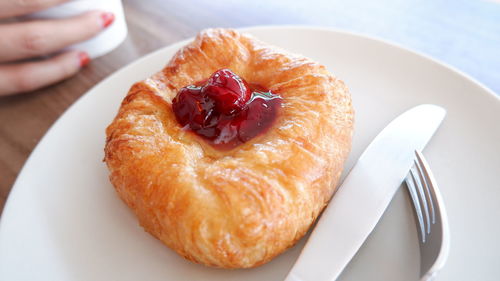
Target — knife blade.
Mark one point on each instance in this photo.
(364, 195)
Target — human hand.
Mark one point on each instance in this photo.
(21, 41)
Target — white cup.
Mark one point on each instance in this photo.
(105, 41)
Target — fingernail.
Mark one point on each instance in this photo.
(84, 59)
(107, 19)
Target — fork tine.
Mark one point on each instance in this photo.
(410, 184)
(415, 174)
(426, 182)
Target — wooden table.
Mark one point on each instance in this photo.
(464, 34)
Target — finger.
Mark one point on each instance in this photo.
(36, 38)
(10, 8)
(29, 76)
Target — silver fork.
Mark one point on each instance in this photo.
(432, 222)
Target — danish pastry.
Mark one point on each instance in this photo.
(230, 153)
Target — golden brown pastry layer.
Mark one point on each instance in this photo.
(237, 208)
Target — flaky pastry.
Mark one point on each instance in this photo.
(241, 207)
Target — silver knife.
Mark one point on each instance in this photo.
(364, 195)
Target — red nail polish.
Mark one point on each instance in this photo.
(107, 19)
(84, 59)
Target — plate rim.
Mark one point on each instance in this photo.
(379, 39)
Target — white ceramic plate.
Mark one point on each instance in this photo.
(63, 220)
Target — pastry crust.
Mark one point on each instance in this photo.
(242, 207)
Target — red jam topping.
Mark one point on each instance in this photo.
(226, 110)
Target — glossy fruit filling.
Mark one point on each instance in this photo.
(226, 110)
